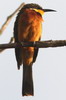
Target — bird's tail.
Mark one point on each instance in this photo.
(27, 87)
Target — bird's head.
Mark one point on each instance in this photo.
(37, 8)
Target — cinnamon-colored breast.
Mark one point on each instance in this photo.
(29, 26)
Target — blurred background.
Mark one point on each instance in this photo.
(49, 71)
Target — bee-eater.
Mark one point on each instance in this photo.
(28, 28)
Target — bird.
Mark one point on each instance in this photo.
(28, 28)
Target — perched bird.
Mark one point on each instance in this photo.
(27, 28)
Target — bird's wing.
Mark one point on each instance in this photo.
(35, 53)
(18, 51)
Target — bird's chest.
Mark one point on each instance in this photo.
(29, 28)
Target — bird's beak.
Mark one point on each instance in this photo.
(49, 10)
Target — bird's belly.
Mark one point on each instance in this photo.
(31, 32)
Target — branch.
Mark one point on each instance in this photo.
(9, 18)
(41, 44)
(11, 41)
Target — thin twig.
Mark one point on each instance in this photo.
(9, 18)
(41, 44)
